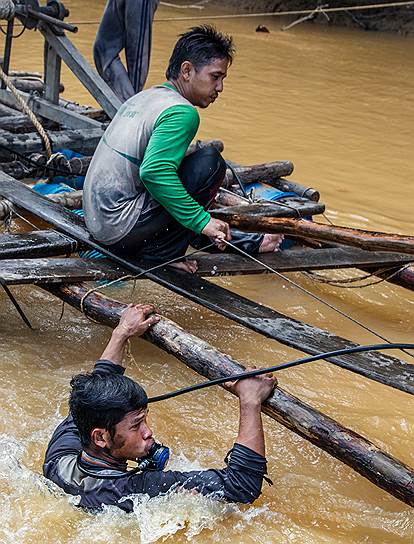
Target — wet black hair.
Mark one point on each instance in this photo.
(101, 400)
(200, 45)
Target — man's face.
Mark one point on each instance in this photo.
(205, 84)
(133, 436)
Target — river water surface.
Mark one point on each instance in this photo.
(338, 103)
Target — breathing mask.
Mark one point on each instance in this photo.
(156, 459)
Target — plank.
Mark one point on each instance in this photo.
(66, 270)
(19, 269)
(71, 56)
(262, 319)
(299, 259)
(40, 243)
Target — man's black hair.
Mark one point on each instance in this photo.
(200, 45)
(101, 400)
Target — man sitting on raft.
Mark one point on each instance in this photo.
(142, 197)
(108, 426)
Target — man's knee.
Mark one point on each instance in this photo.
(203, 169)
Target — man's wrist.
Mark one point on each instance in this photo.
(250, 403)
(120, 334)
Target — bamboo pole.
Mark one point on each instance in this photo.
(300, 228)
(357, 452)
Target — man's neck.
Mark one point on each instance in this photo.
(101, 457)
(178, 86)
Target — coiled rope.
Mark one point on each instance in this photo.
(26, 109)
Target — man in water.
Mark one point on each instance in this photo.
(126, 24)
(108, 426)
(142, 197)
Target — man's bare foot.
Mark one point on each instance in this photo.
(187, 266)
(270, 243)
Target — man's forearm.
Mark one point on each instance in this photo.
(114, 350)
(251, 427)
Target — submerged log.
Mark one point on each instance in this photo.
(368, 240)
(354, 450)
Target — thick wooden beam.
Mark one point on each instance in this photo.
(65, 270)
(40, 243)
(19, 268)
(71, 56)
(54, 112)
(357, 452)
(299, 259)
(368, 240)
(264, 320)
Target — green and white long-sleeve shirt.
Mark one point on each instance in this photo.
(140, 152)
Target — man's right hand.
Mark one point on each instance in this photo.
(136, 319)
(217, 231)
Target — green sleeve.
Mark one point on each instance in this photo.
(173, 132)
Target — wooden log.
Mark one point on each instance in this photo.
(264, 320)
(357, 452)
(31, 85)
(368, 240)
(267, 172)
(82, 140)
(77, 166)
(301, 190)
(21, 123)
(288, 207)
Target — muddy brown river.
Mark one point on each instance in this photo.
(339, 104)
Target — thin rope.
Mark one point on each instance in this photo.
(25, 107)
(339, 283)
(316, 297)
(293, 12)
(135, 277)
(197, 5)
(24, 219)
(268, 14)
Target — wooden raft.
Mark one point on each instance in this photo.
(266, 321)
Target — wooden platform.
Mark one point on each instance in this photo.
(262, 319)
(18, 268)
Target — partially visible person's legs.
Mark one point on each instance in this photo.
(125, 24)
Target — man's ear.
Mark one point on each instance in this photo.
(186, 69)
(100, 438)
